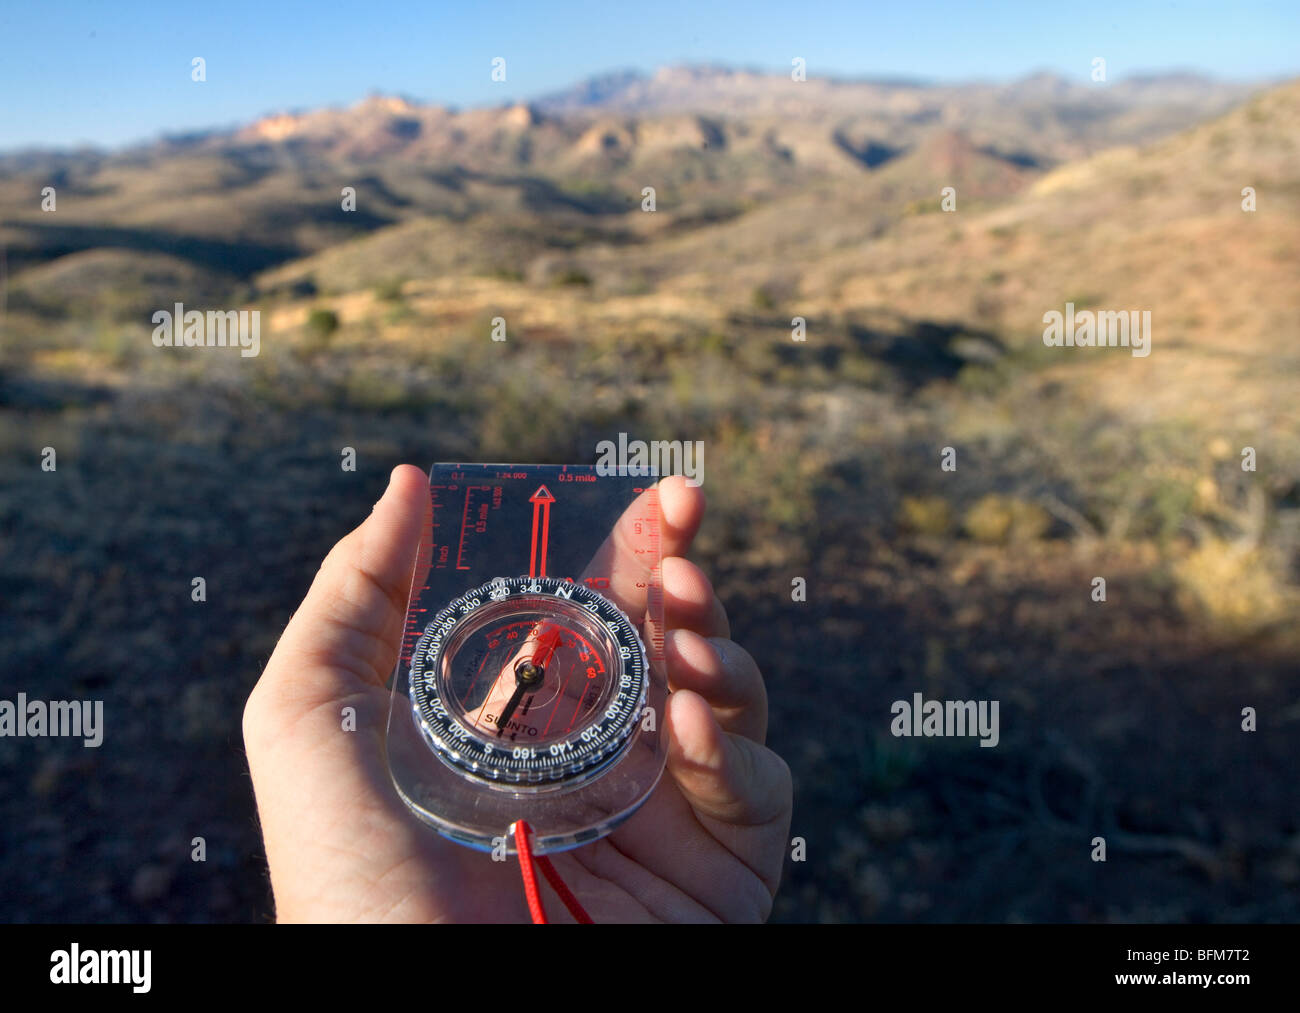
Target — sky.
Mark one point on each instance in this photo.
(108, 74)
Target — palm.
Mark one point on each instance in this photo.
(342, 846)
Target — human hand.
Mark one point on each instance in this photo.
(342, 846)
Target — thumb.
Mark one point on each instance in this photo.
(346, 635)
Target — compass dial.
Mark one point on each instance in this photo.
(528, 681)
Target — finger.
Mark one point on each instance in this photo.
(689, 601)
(349, 627)
(727, 777)
(741, 791)
(726, 675)
(621, 557)
(673, 842)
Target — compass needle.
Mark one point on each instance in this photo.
(510, 709)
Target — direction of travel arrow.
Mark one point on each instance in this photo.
(541, 501)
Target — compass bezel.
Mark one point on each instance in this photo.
(585, 751)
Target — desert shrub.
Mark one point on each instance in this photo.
(573, 276)
(925, 515)
(997, 519)
(121, 346)
(322, 323)
(774, 292)
(1229, 586)
(1171, 502)
(389, 290)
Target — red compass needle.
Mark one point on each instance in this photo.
(548, 639)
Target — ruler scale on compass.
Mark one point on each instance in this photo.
(531, 682)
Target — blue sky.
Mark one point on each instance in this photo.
(111, 73)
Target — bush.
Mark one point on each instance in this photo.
(389, 290)
(1230, 587)
(573, 276)
(925, 515)
(997, 519)
(322, 323)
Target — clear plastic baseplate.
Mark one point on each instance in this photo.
(504, 579)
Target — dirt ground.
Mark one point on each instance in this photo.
(1122, 726)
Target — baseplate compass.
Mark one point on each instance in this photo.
(532, 696)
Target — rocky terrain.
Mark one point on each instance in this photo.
(773, 200)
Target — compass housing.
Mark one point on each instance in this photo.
(528, 682)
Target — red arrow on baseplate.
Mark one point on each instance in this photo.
(541, 501)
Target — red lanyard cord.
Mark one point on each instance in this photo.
(527, 863)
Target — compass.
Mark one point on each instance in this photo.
(531, 683)
(528, 684)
